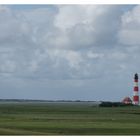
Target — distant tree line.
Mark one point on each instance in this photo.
(113, 104)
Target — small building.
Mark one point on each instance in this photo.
(127, 100)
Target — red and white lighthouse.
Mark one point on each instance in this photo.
(136, 90)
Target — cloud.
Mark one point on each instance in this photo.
(70, 42)
(65, 51)
(129, 33)
(89, 25)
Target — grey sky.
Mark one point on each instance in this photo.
(72, 52)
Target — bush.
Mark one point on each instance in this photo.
(113, 104)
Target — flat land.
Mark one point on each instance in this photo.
(67, 119)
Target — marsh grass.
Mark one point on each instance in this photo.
(68, 119)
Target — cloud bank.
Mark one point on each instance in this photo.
(70, 43)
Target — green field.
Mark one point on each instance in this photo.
(67, 119)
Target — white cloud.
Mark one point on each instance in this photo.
(84, 47)
(74, 41)
(130, 29)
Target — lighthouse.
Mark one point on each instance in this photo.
(136, 90)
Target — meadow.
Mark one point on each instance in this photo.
(67, 119)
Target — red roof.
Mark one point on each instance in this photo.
(127, 100)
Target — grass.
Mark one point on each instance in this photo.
(67, 119)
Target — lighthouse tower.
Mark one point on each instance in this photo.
(136, 90)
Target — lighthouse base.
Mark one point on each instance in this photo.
(135, 103)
